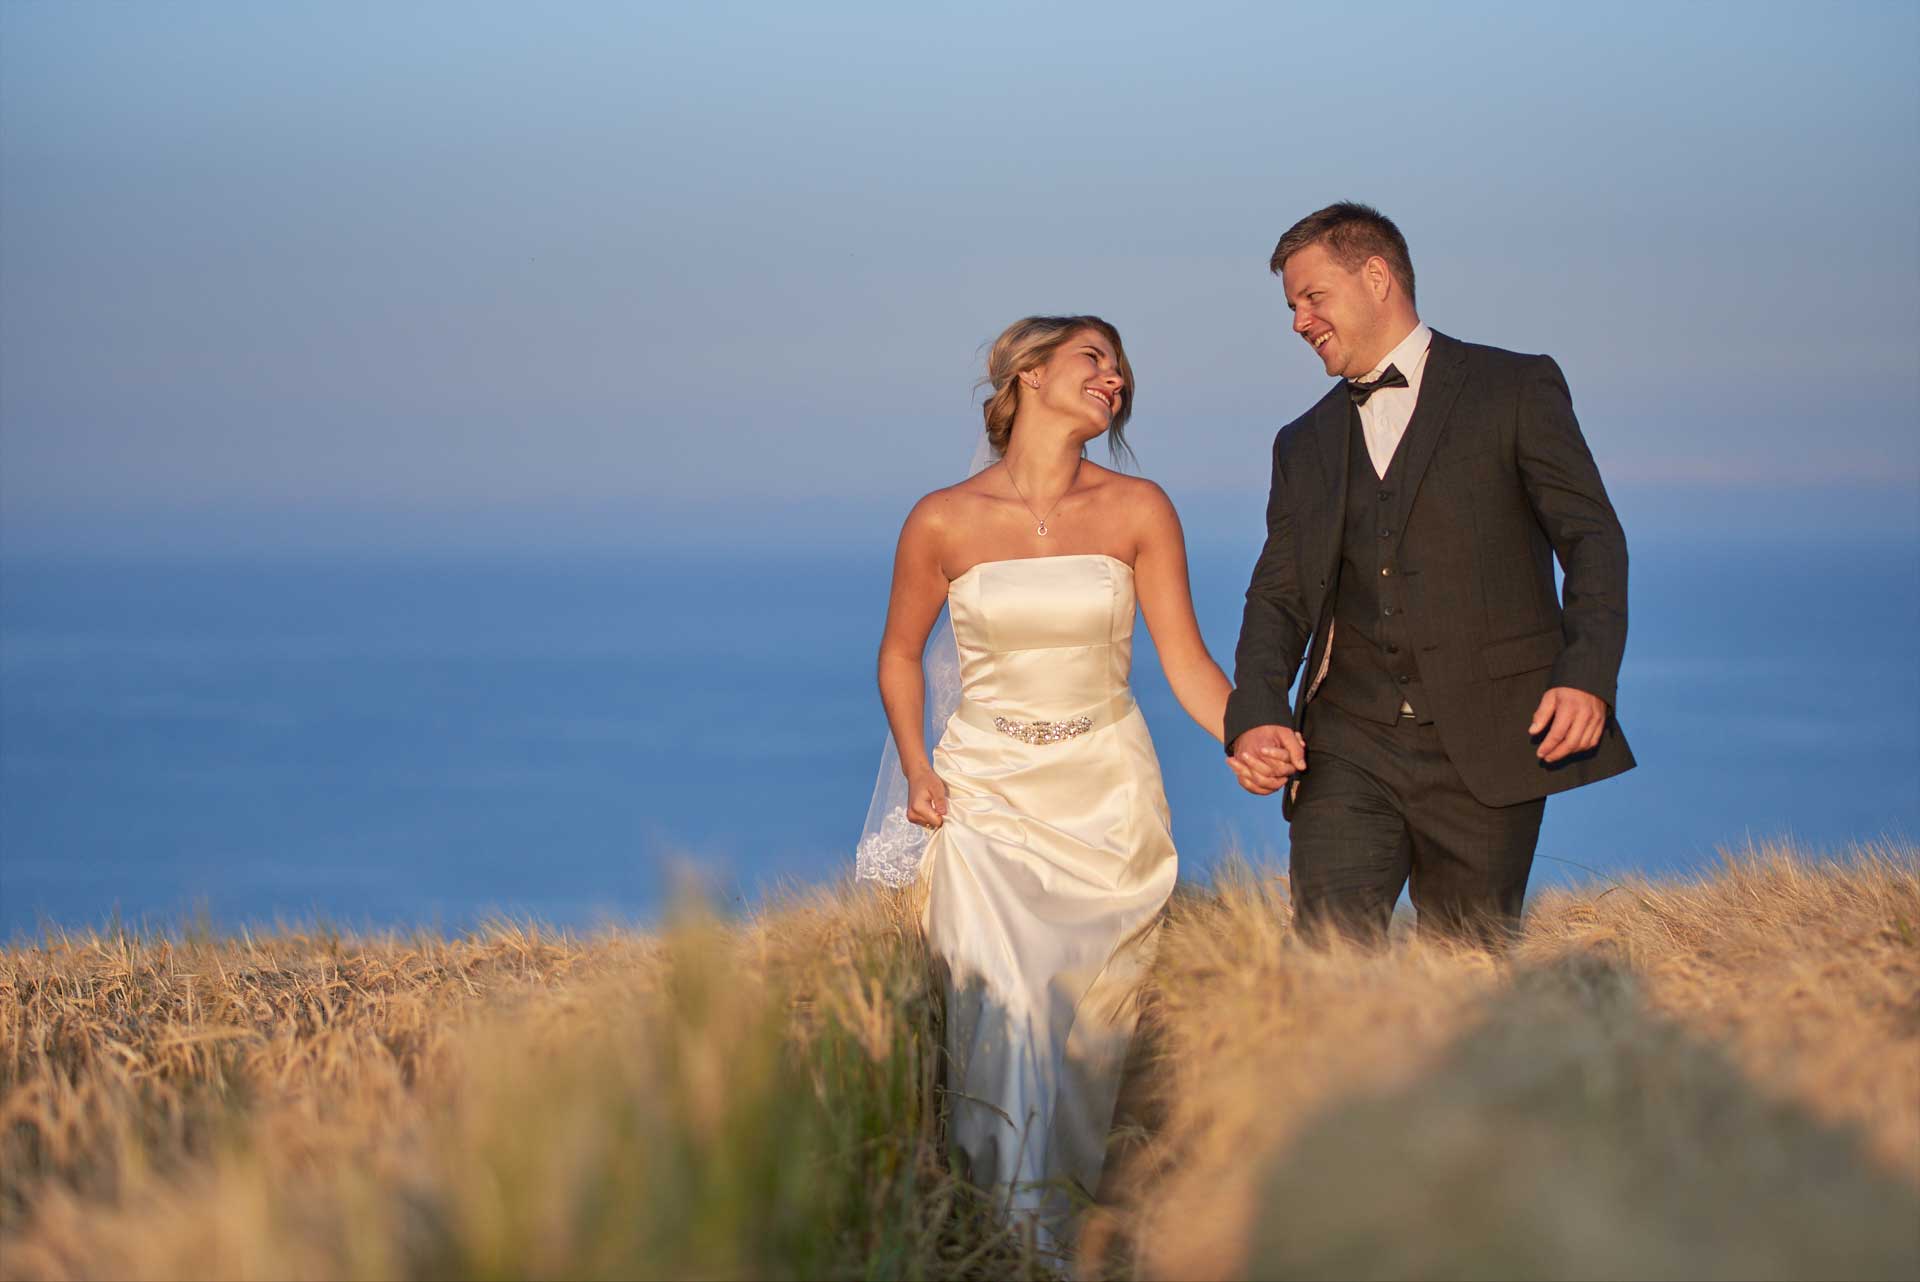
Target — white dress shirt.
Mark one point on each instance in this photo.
(1384, 418)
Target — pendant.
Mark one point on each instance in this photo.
(1041, 530)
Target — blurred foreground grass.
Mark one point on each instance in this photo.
(1713, 1079)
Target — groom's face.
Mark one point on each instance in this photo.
(1335, 310)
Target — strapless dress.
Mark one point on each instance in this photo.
(1046, 882)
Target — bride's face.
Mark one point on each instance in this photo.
(1082, 381)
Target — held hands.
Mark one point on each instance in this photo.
(1572, 719)
(926, 799)
(1265, 757)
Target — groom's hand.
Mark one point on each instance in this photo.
(1265, 757)
(1572, 720)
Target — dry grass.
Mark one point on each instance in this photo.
(1720, 1079)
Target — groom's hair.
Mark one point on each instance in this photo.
(1352, 233)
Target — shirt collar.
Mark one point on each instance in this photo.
(1409, 353)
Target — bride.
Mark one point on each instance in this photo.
(1050, 855)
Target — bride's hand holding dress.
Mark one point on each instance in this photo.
(927, 799)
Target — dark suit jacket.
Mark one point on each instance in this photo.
(1503, 483)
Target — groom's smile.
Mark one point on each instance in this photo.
(1334, 312)
(1322, 343)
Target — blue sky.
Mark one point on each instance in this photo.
(510, 269)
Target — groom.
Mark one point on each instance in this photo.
(1412, 526)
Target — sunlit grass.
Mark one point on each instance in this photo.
(1711, 1079)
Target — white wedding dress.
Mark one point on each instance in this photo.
(1046, 881)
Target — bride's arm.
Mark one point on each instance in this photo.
(1166, 599)
(919, 590)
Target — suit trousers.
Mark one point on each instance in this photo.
(1380, 806)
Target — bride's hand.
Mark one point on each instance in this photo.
(926, 799)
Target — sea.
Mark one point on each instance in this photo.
(393, 740)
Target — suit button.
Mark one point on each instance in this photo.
(1386, 534)
(1386, 610)
(1405, 680)
(1384, 495)
(1393, 649)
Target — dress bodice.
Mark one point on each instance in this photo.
(1043, 637)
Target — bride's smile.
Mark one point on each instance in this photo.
(1084, 383)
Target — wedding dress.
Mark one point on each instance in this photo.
(1045, 883)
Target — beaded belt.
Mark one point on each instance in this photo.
(1044, 732)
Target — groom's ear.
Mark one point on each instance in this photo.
(1378, 277)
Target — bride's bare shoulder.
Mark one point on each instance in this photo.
(1134, 491)
(1141, 508)
(949, 508)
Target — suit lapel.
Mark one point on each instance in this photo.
(1439, 389)
(1333, 437)
(1330, 436)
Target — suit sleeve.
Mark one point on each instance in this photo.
(1568, 498)
(1274, 627)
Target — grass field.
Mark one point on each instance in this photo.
(1711, 1079)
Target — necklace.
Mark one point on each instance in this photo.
(1041, 527)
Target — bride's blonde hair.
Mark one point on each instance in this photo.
(1032, 342)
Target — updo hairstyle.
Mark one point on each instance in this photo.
(1029, 343)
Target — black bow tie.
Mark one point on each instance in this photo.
(1390, 377)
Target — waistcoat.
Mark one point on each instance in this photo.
(1372, 670)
